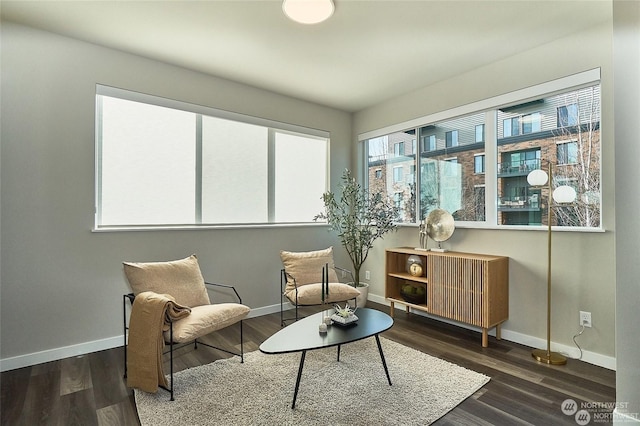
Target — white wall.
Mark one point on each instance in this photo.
(626, 17)
(62, 285)
(583, 263)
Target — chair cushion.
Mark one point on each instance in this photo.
(310, 294)
(206, 319)
(181, 279)
(306, 267)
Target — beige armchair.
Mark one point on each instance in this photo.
(311, 278)
(170, 304)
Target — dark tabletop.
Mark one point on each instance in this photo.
(304, 335)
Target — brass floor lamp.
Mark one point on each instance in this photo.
(562, 194)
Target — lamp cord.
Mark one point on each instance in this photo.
(576, 343)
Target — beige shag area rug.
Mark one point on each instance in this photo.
(353, 391)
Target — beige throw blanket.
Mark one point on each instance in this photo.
(150, 317)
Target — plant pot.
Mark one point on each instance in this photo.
(361, 301)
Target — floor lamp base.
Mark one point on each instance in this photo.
(553, 358)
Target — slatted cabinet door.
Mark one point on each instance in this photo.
(456, 289)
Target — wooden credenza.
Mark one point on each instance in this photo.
(464, 287)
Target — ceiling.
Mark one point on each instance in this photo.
(368, 51)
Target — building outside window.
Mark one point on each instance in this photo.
(567, 152)
(568, 115)
(511, 126)
(451, 138)
(562, 129)
(448, 182)
(531, 123)
(391, 174)
(480, 133)
(429, 143)
(398, 149)
(397, 174)
(478, 163)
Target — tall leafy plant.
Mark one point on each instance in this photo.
(358, 218)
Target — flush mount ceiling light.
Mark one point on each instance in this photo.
(308, 11)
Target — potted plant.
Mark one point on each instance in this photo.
(359, 219)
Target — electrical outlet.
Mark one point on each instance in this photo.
(585, 318)
(367, 275)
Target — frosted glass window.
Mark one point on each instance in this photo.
(300, 177)
(234, 172)
(164, 163)
(148, 163)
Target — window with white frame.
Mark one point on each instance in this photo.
(480, 133)
(398, 149)
(451, 138)
(511, 126)
(478, 163)
(164, 163)
(497, 145)
(397, 174)
(567, 152)
(531, 123)
(567, 115)
(429, 143)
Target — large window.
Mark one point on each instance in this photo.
(163, 163)
(475, 164)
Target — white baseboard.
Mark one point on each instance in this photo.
(55, 354)
(60, 353)
(524, 339)
(27, 360)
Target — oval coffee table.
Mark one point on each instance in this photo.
(303, 336)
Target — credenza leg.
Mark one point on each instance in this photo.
(391, 310)
(485, 337)
(499, 331)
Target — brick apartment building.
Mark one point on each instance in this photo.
(562, 130)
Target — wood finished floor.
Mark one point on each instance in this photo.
(90, 389)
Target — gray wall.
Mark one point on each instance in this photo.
(62, 285)
(583, 263)
(627, 127)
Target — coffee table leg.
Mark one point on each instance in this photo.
(338, 359)
(384, 363)
(295, 393)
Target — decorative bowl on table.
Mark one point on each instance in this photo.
(414, 294)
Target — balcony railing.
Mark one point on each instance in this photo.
(518, 168)
(529, 201)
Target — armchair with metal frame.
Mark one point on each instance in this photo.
(204, 317)
(295, 299)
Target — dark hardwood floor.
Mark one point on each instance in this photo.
(90, 389)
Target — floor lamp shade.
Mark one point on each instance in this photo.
(564, 194)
